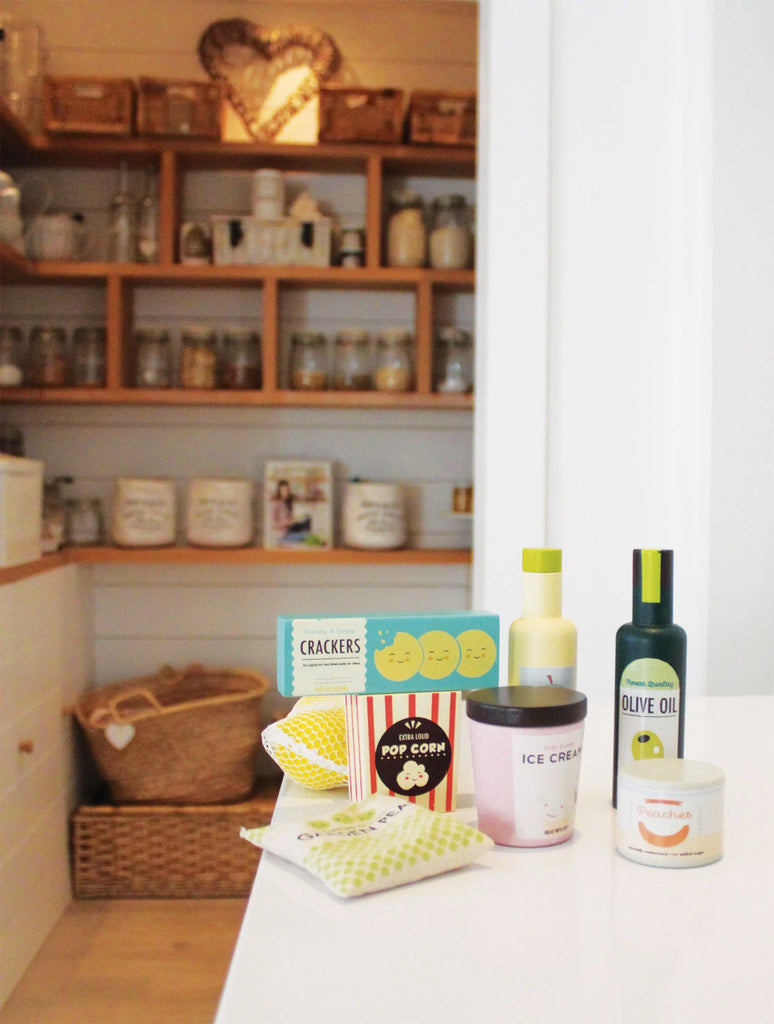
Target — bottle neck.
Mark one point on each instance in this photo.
(652, 588)
(541, 595)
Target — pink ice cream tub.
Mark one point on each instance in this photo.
(526, 743)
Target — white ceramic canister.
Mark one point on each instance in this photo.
(144, 512)
(526, 743)
(268, 194)
(375, 515)
(670, 812)
(219, 512)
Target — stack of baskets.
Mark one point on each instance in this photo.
(178, 752)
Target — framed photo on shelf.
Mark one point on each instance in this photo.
(298, 504)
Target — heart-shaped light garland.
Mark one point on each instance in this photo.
(222, 54)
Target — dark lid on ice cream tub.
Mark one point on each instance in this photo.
(526, 706)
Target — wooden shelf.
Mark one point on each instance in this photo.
(182, 555)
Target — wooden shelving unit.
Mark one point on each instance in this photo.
(173, 159)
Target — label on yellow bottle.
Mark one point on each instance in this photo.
(648, 711)
(541, 675)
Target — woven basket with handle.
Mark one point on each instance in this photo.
(185, 736)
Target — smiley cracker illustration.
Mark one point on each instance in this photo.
(478, 653)
(401, 659)
(646, 744)
(441, 654)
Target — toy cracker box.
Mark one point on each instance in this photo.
(395, 653)
(404, 744)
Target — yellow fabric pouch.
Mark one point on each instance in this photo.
(310, 743)
(376, 843)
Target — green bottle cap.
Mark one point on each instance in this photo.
(541, 560)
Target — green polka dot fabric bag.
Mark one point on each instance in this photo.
(377, 843)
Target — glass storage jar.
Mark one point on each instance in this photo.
(394, 361)
(198, 358)
(84, 522)
(406, 230)
(353, 361)
(308, 361)
(453, 361)
(451, 240)
(88, 363)
(47, 361)
(241, 367)
(153, 359)
(11, 358)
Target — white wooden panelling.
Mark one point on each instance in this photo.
(401, 43)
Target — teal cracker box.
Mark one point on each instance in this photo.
(387, 653)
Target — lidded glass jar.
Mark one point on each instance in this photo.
(153, 359)
(88, 369)
(11, 372)
(308, 361)
(451, 240)
(47, 359)
(198, 358)
(453, 361)
(241, 359)
(406, 230)
(353, 361)
(394, 361)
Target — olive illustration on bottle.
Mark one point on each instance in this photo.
(646, 744)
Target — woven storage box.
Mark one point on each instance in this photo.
(184, 737)
(99, 106)
(443, 118)
(179, 107)
(360, 115)
(163, 852)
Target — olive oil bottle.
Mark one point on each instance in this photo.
(649, 668)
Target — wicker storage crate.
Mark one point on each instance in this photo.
(179, 107)
(184, 737)
(98, 106)
(361, 115)
(443, 118)
(163, 852)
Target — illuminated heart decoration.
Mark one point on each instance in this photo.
(248, 60)
(120, 736)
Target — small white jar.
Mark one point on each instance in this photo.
(375, 516)
(143, 514)
(670, 812)
(219, 513)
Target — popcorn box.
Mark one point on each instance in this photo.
(387, 653)
(404, 744)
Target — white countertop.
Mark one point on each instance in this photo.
(573, 932)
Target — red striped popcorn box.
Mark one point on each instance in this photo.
(404, 744)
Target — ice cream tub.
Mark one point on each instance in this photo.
(670, 812)
(526, 744)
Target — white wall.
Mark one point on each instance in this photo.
(742, 539)
(636, 340)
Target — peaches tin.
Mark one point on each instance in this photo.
(526, 743)
(670, 812)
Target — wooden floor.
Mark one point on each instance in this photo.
(130, 962)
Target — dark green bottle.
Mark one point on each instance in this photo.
(649, 669)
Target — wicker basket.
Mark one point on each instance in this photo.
(360, 115)
(179, 107)
(163, 852)
(443, 118)
(98, 106)
(181, 737)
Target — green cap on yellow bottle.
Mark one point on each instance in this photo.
(541, 559)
